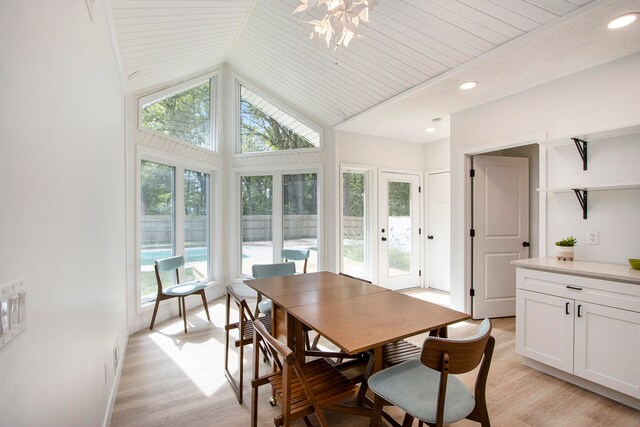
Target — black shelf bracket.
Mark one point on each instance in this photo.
(581, 145)
(582, 198)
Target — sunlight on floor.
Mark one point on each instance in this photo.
(172, 340)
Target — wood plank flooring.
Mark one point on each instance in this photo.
(173, 379)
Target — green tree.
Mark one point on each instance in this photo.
(156, 181)
(261, 132)
(185, 115)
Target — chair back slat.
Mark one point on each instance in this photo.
(170, 264)
(295, 254)
(273, 344)
(264, 271)
(464, 354)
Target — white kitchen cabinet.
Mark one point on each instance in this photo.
(584, 326)
(544, 329)
(607, 347)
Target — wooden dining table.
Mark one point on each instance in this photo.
(354, 315)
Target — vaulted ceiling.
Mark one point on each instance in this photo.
(377, 84)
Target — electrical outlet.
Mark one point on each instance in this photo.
(593, 237)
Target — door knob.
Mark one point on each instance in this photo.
(384, 239)
(526, 244)
(430, 237)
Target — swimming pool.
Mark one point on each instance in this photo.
(148, 256)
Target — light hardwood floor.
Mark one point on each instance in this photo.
(173, 379)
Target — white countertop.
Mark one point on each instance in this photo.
(598, 270)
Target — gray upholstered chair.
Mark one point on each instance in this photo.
(264, 271)
(424, 388)
(180, 290)
(296, 255)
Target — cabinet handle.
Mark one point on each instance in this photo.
(579, 306)
(574, 287)
(566, 308)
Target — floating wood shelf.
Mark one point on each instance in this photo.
(582, 193)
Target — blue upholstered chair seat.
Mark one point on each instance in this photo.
(264, 307)
(414, 387)
(183, 288)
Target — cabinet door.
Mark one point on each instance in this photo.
(544, 329)
(607, 347)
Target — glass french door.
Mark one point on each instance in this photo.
(398, 230)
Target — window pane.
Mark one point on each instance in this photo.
(264, 127)
(157, 223)
(354, 224)
(399, 228)
(257, 206)
(196, 225)
(300, 222)
(185, 115)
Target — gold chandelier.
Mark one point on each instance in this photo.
(340, 23)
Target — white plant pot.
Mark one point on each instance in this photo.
(564, 253)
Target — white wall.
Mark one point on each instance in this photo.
(437, 155)
(600, 98)
(361, 149)
(62, 211)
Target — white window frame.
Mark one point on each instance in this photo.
(214, 113)
(371, 252)
(277, 210)
(238, 81)
(180, 165)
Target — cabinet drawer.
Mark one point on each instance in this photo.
(605, 292)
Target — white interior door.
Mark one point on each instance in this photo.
(501, 223)
(398, 231)
(438, 231)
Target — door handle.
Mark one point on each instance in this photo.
(566, 308)
(579, 307)
(430, 237)
(384, 239)
(526, 244)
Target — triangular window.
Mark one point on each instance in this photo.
(187, 114)
(265, 127)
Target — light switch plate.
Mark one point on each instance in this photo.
(13, 302)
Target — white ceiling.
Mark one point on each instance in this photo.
(391, 82)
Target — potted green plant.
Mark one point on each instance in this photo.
(564, 248)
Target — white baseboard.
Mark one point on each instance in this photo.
(116, 383)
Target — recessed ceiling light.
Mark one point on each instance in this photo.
(622, 21)
(468, 85)
(430, 130)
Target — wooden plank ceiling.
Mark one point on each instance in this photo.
(406, 43)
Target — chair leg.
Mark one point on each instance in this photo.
(179, 307)
(376, 414)
(155, 312)
(408, 420)
(184, 314)
(206, 306)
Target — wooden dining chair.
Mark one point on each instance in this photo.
(244, 326)
(427, 388)
(296, 255)
(179, 290)
(300, 390)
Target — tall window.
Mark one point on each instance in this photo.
(196, 225)
(188, 114)
(265, 127)
(157, 222)
(257, 226)
(166, 190)
(267, 228)
(355, 219)
(300, 216)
